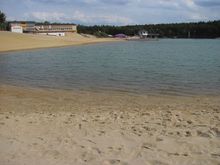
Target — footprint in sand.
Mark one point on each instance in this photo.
(97, 150)
(215, 155)
(189, 122)
(157, 162)
(174, 154)
(2, 123)
(148, 146)
(114, 162)
(158, 139)
(216, 131)
(101, 133)
(188, 134)
(203, 134)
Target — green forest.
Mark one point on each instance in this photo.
(209, 29)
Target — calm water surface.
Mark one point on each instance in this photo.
(182, 67)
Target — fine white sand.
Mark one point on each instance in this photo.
(54, 127)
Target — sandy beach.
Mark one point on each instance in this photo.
(60, 127)
(16, 41)
(48, 127)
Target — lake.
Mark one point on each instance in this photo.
(167, 66)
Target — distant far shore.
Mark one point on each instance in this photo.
(17, 42)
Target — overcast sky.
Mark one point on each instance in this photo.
(112, 12)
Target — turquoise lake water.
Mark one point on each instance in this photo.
(176, 67)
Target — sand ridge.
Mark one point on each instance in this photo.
(40, 126)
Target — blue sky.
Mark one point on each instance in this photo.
(112, 12)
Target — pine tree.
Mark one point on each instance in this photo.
(2, 17)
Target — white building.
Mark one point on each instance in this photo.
(62, 34)
(16, 28)
(55, 29)
(44, 29)
(144, 34)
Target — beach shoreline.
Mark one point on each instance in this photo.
(106, 127)
(61, 46)
(44, 126)
(13, 42)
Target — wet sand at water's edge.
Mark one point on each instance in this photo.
(47, 127)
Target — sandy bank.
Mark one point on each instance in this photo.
(15, 41)
(47, 127)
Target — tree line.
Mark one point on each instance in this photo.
(209, 29)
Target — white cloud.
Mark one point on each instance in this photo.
(46, 16)
(197, 16)
(78, 16)
(98, 18)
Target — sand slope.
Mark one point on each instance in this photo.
(15, 41)
(49, 127)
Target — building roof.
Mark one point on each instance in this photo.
(21, 22)
(37, 23)
(41, 24)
